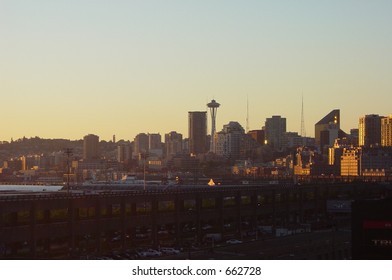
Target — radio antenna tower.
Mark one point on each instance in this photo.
(247, 114)
(303, 131)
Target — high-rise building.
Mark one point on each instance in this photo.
(155, 144)
(173, 144)
(228, 141)
(197, 128)
(258, 135)
(386, 131)
(327, 130)
(354, 132)
(154, 141)
(370, 131)
(91, 147)
(275, 129)
(141, 144)
(124, 153)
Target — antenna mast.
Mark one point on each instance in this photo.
(303, 132)
(247, 114)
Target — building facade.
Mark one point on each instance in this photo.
(376, 160)
(258, 135)
(366, 161)
(370, 131)
(155, 144)
(327, 130)
(173, 144)
(91, 147)
(386, 131)
(141, 144)
(124, 153)
(228, 141)
(197, 128)
(350, 164)
(275, 129)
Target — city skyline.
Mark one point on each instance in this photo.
(71, 68)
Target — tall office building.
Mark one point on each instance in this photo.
(141, 143)
(258, 136)
(124, 153)
(173, 144)
(370, 131)
(228, 141)
(327, 130)
(275, 129)
(154, 141)
(197, 128)
(91, 147)
(354, 132)
(386, 131)
(155, 144)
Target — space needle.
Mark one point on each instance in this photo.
(213, 105)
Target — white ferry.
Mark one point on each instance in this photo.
(30, 188)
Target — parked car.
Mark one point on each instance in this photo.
(233, 241)
(150, 253)
(169, 251)
(206, 227)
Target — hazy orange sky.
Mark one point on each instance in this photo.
(69, 68)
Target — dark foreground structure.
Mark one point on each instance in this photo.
(61, 225)
(372, 229)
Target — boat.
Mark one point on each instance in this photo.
(30, 188)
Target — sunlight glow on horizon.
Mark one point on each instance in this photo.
(79, 67)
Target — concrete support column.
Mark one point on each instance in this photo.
(33, 241)
(72, 213)
(154, 215)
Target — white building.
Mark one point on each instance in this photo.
(228, 141)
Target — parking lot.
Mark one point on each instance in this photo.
(327, 244)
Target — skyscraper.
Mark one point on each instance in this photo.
(155, 144)
(91, 147)
(228, 141)
(154, 141)
(173, 144)
(370, 131)
(197, 128)
(275, 129)
(140, 144)
(124, 153)
(327, 130)
(258, 135)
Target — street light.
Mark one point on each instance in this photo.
(68, 152)
(144, 157)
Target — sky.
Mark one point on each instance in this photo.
(70, 68)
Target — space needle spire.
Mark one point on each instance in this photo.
(213, 105)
